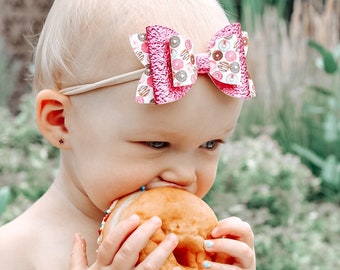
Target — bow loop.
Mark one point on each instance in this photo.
(225, 60)
(182, 61)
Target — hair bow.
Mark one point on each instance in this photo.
(171, 65)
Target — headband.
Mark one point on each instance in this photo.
(171, 65)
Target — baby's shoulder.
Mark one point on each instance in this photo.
(16, 242)
(31, 242)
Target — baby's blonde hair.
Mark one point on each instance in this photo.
(87, 40)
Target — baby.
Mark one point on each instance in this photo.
(95, 62)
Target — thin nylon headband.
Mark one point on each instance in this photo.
(123, 78)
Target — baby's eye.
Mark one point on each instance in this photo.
(156, 144)
(211, 145)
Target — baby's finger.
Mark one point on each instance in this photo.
(78, 259)
(235, 228)
(128, 254)
(115, 238)
(244, 256)
(158, 256)
(219, 266)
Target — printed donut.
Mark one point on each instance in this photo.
(182, 213)
(217, 55)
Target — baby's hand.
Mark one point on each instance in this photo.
(120, 248)
(233, 240)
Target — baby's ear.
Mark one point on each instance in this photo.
(50, 117)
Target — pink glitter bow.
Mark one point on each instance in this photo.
(171, 66)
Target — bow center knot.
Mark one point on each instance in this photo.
(202, 63)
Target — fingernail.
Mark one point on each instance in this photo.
(173, 238)
(208, 243)
(156, 220)
(206, 265)
(134, 217)
(77, 237)
(214, 232)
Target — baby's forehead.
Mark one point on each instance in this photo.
(108, 52)
(196, 19)
(87, 41)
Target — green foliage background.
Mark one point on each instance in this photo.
(281, 171)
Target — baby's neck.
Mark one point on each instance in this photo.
(78, 216)
(74, 200)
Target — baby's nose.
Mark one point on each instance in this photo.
(181, 171)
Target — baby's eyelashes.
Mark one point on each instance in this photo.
(156, 144)
(212, 144)
(209, 145)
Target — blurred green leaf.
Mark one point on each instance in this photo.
(330, 126)
(308, 154)
(322, 90)
(231, 9)
(5, 195)
(330, 171)
(329, 63)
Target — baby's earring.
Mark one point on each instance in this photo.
(61, 141)
(143, 188)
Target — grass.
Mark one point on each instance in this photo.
(297, 77)
(257, 182)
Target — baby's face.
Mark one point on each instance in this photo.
(119, 146)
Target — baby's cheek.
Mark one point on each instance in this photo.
(205, 181)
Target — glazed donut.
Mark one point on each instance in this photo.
(181, 212)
